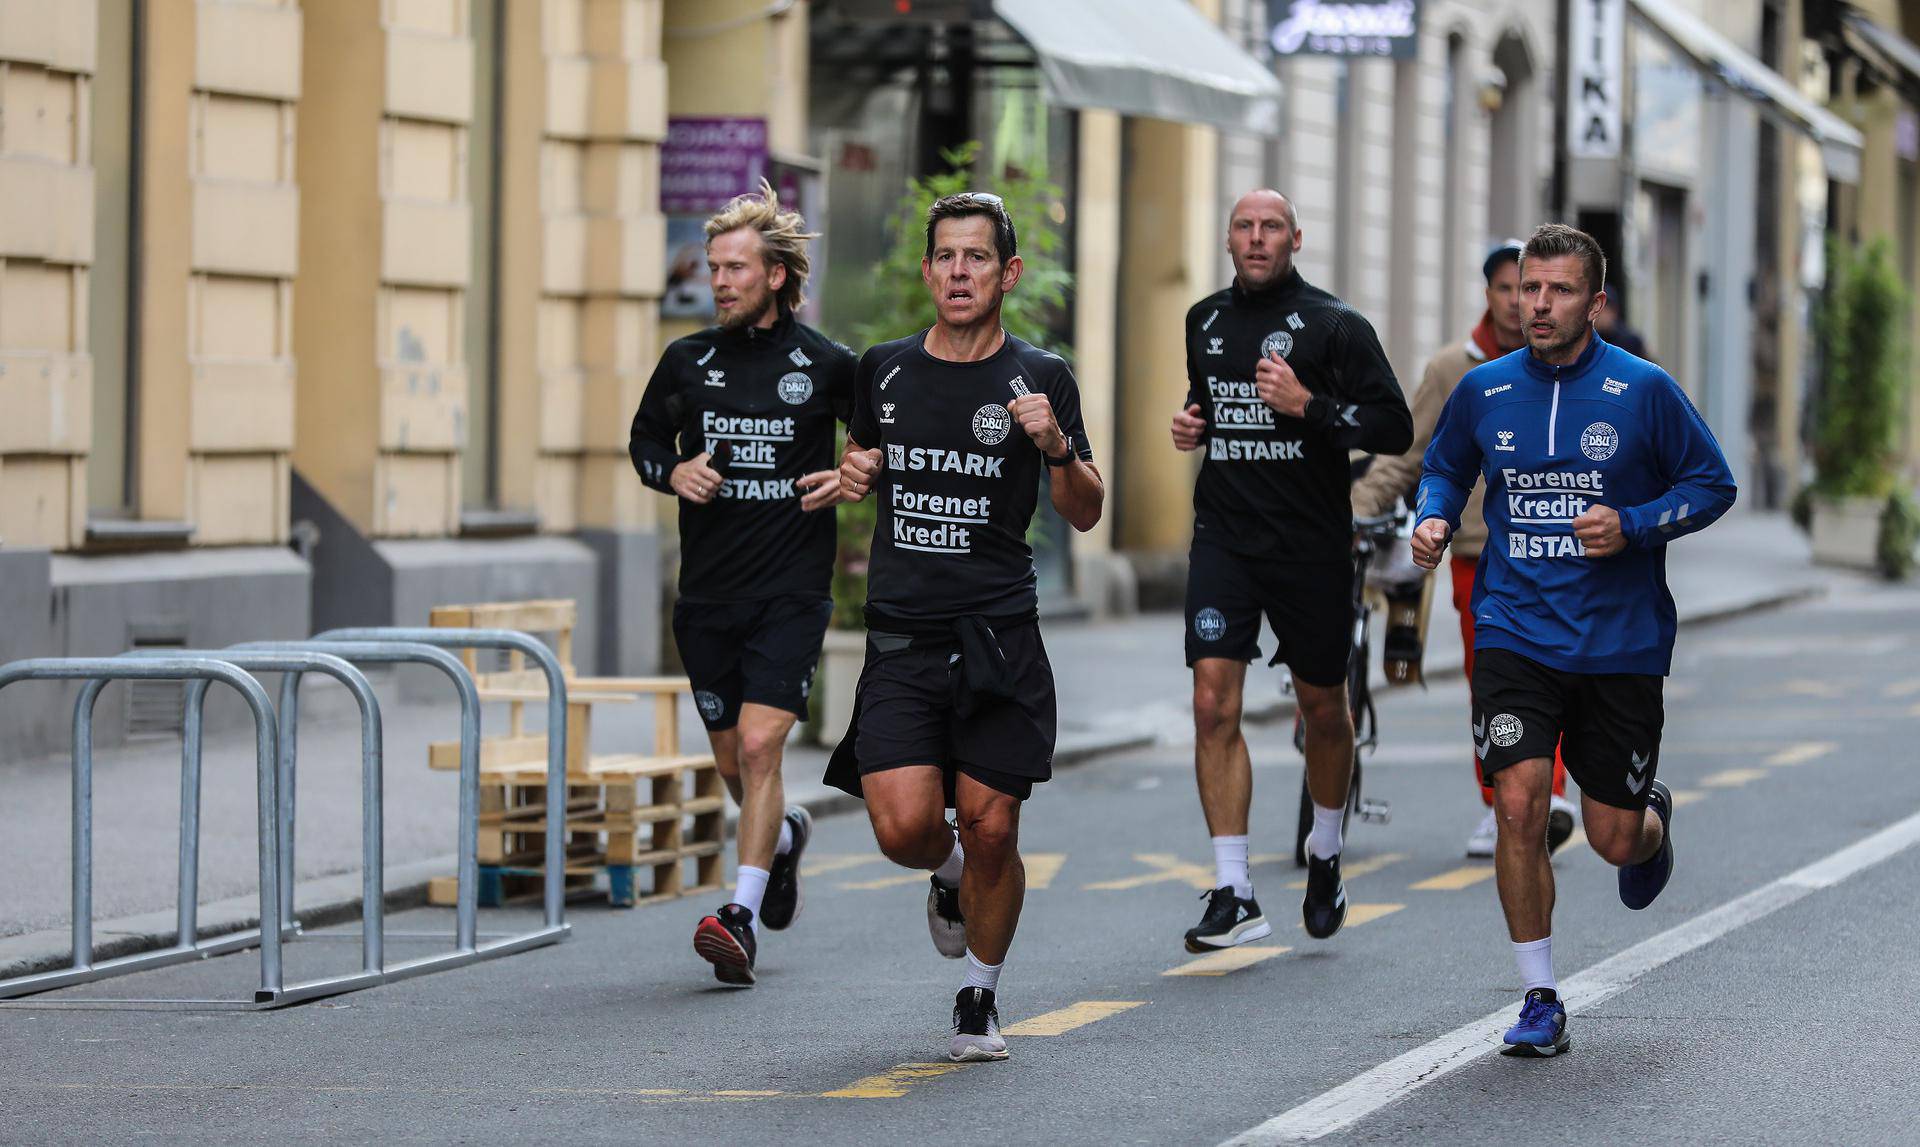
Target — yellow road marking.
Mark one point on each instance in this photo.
(1359, 867)
(915, 877)
(1042, 867)
(1073, 1016)
(748, 1094)
(1805, 688)
(1732, 778)
(1226, 960)
(824, 864)
(1457, 879)
(1358, 914)
(893, 1082)
(1905, 688)
(1167, 868)
(1802, 753)
(1680, 797)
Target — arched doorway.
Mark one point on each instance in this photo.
(1513, 134)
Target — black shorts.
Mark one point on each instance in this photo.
(906, 716)
(1310, 608)
(760, 651)
(1606, 724)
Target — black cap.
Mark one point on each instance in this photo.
(1505, 251)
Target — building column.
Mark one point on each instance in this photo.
(46, 245)
(385, 245)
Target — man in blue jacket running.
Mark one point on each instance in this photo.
(1594, 461)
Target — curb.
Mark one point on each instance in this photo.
(336, 899)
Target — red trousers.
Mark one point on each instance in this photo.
(1463, 570)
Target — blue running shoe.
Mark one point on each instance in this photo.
(1640, 884)
(1542, 1030)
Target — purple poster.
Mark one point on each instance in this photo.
(708, 160)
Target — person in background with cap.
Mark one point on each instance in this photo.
(1390, 478)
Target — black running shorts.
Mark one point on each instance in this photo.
(1310, 608)
(760, 651)
(907, 716)
(1607, 725)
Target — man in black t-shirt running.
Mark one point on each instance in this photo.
(738, 422)
(952, 428)
(1284, 379)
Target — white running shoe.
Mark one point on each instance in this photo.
(1480, 844)
(944, 922)
(976, 1028)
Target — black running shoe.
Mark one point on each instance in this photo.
(1559, 823)
(944, 921)
(781, 904)
(1325, 906)
(725, 940)
(976, 1028)
(1229, 920)
(1642, 883)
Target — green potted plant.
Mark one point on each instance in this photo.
(1858, 517)
(897, 303)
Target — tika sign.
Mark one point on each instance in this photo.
(1389, 28)
(1596, 33)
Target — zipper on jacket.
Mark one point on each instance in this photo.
(1553, 415)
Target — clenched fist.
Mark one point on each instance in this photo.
(1188, 427)
(1280, 388)
(1599, 531)
(1429, 542)
(1034, 413)
(859, 469)
(695, 481)
(819, 490)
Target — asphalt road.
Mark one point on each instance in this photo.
(1790, 737)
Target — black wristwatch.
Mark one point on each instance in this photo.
(1065, 459)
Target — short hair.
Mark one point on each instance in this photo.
(1554, 240)
(783, 236)
(985, 204)
(1504, 252)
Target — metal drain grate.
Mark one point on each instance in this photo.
(154, 708)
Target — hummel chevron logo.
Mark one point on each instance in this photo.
(1347, 415)
(1481, 742)
(1637, 772)
(800, 358)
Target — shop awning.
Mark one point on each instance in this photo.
(1898, 51)
(1724, 61)
(1156, 58)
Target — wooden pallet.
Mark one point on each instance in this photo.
(642, 819)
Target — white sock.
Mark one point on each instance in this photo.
(1230, 865)
(981, 975)
(1535, 958)
(786, 838)
(751, 888)
(949, 872)
(1324, 841)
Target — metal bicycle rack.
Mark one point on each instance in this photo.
(555, 896)
(96, 671)
(467, 945)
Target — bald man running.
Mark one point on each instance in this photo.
(1284, 379)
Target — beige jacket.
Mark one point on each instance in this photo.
(1390, 478)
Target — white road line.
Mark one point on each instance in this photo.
(1367, 1093)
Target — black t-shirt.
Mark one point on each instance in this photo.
(959, 480)
(1271, 486)
(770, 397)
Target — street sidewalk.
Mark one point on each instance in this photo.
(1121, 684)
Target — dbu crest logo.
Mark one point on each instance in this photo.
(1279, 342)
(992, 423)
(1209, 624)
(795, 388)
(1599, 441)
(711, 707)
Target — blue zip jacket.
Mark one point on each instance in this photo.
(1553, 441)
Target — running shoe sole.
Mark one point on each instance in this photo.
(717, 946)
(777, 919)
(949, 938)
(1535, 1051)
(1245, 932)
(976, 1049)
